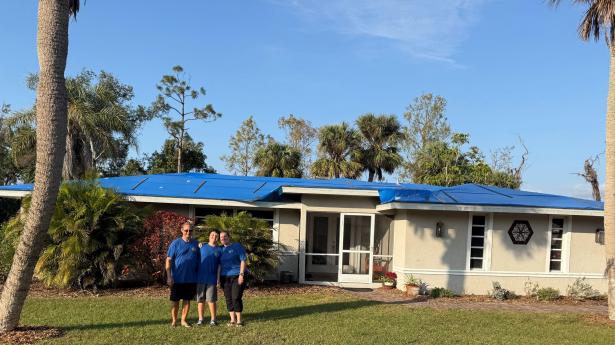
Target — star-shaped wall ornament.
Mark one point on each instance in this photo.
(520, 232)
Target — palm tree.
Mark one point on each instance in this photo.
(89, 234)
(599, 20)
(338, 151)
(380, 136)
(278, 160)
(51, 119)
(101, 123)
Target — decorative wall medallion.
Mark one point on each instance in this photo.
(520, 232)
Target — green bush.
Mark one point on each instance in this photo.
(252, 233)
(547, 294)
(438, 292)
(500, 293)
(87, 239)
(581, 290)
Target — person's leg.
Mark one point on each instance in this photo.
(211, 295)
(174, 309)
(200, 299)
(185, 311)
(237, 294)
(201, 310)
(212, 310)
(228, 296)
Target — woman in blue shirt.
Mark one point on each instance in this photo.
(232, 271)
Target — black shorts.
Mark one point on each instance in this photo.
(183, 291)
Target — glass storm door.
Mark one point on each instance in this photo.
(356, 246)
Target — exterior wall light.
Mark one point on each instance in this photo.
(600, 236)
(439, 228)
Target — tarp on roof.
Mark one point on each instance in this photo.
(256, 188)
(474, 194)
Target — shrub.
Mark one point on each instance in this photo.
(438, 292)
(87, 238)
(411, 280)
(150, 248)
(530, 288)
(253, 234)
(500, 293)
(547, 294)
(581, 290)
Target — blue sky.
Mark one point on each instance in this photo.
(507, 68)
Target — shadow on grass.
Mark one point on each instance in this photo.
(266, 315)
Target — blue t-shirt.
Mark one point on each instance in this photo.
(185, 260)
(208, 267)
(231, 259)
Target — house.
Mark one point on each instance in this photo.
(348, 232)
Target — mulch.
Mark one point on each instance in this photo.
(29, 335)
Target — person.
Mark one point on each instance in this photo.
(207, 278)
(232, 277)
(182, 265)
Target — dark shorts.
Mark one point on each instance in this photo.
(183, 291)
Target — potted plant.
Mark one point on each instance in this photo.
(413, 285)
(389, 279)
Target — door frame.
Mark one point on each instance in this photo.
(356, 278)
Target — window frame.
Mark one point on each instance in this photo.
(487, 241)
(565, 245)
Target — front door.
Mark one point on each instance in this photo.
(356, 247)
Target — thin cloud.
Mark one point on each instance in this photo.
(429, 29)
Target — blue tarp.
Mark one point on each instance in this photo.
(252, 188)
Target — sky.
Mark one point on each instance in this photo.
(508, 69)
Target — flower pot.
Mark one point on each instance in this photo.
(388, 285)
(412, 290)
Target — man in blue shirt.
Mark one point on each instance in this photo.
(182, 265)
(209, 270)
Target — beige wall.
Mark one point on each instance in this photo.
(506, 256)
(423, 250)
(586, 256)
(333, 203)
(288, 232)
(481, 285)
(442, 261)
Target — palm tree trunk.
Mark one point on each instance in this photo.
(51, 118)
(609, 195)
(371, 175)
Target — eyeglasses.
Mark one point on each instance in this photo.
(188, 231)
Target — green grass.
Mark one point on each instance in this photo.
(305, 319)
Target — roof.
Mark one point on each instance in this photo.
(258, 188)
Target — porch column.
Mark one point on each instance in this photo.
(302, 239)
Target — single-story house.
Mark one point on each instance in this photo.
(347, 232)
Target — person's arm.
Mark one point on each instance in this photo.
(167, 267)
(242, 271)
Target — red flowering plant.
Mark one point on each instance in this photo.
(389, 277)
(150, 249)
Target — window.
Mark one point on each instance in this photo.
(201, 212)
(555, 253)
(477, 242)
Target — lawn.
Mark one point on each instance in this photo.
(305, 319)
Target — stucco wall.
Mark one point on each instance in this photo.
(288, 232)
(426, 251)
(531, 257)
(335, 203)
(586, 256)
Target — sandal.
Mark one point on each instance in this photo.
(231, 324)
